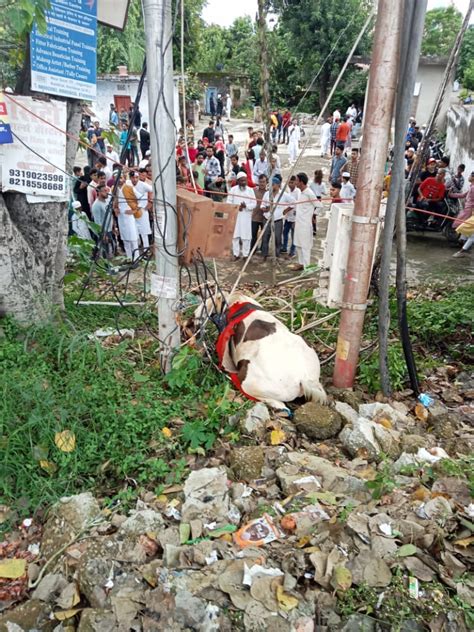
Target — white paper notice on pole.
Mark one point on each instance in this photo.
(42, 173)
(163, 287)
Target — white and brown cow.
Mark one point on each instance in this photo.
(264, 359)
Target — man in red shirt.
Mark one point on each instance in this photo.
(431, 194)
(343, 131)
(286, 122)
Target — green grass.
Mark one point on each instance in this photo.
(115, 401)
(396, 608)
(441, 327)
(441, 330)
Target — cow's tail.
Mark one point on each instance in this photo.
(314, 392)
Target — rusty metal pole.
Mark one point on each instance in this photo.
(378, 120)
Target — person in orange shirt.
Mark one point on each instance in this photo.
(343, 131)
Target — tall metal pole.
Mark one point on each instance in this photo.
(412, 34)
(380, 102)
(159, 53)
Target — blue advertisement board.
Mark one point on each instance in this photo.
(64, 60)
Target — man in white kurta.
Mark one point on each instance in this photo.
(244, 197)
(144, 193)
(305, 210)
(294, 137)
(228, 106)
(125, 207)
(326, 137)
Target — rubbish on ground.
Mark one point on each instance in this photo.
(257, 570)
(12, 568)
(105, 333)
(425, 399)
(413, 587)
(257, 532)
(433, 455)
(270, 531)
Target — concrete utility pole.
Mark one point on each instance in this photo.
(378, 118)
(159, 54)
(265, 90)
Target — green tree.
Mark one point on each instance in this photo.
(127, 47)
(313, 29)
(122, 48)
(33, 239)
(193, 27)
(19, 17)
(212, 53)
(466, 59)
(468, 76)
(441, 27)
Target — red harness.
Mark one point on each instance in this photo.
(235, 314)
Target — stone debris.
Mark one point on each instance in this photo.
(271, 537)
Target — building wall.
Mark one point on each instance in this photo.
(430, 77)
(460, 136)
(114, 85)
(238, 86)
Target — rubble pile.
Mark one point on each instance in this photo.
(343, 518)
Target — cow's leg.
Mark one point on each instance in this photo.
(280, 407)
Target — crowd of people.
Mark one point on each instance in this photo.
(216, 166)
(130, 225)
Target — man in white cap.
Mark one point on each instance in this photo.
(78, 221)
(145, 160)
(348, 191)
(244, 197)
(112, 155)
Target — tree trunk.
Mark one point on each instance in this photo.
(33, 246)
(323, 90)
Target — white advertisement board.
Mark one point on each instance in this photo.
(28, 172)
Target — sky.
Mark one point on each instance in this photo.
(224, 13)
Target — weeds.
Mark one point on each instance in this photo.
(383, 483)
(113, 399)
(394, 608)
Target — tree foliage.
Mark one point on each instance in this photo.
(122, 48)
(19, 18)
(441, 27)
(127, 47)
(312, 30)
(466, 60)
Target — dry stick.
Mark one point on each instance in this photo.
(315, 323)
(310, 135)
(94, 522)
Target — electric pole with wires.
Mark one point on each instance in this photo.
(159, 53)
(265, 90)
